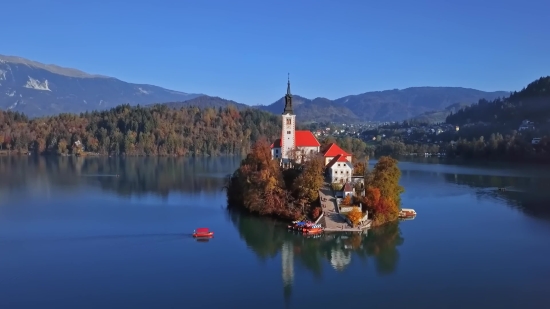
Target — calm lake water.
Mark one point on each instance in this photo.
(74, 235)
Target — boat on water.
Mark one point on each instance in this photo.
(306, 227)
(407, 213)
(314, 229)
(203, 232)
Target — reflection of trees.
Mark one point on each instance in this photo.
(528, 194)
(266, 238)
(158, 175)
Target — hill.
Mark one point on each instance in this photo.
(531, 103)
(389, 105)
(438, 116)
(205, 101)
(38, 89)
(153, 131)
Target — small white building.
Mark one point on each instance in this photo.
(347, 189)
(339, 169)
(526, 125)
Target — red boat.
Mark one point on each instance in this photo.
(314, 231)
(203, 232)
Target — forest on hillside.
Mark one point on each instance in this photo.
(157, 130)
(531, 103)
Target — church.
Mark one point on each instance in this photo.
(295, 146)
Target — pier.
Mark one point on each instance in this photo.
(333, 220)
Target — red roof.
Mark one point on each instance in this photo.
(306, 139)
(347, 187)
(333, 150)
(302, 139)
(276, 143)
(338, 158)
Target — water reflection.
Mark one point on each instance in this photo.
(269, 239)
(125, 176)
(527, 194)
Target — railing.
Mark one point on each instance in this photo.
(319, 219)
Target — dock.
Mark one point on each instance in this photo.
(332, 220)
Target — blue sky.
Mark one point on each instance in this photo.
(243, 50)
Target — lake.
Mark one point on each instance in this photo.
(73, 234)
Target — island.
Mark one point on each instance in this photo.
(295, 177)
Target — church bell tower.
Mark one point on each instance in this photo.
(288, 136)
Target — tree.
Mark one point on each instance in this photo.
(315, 213)
(359, 168)
(347, 200)
(1, 141)
(62, 146)
(258, 185)
(385, 176)
(384, 209)
(355, 215)
(310, 180)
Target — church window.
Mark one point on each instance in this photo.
(287, 132)
(288, 121)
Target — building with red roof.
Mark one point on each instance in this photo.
(339, 169)
(332, 150)
(294, 145)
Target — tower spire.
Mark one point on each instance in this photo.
(288, 99)
(288, 85)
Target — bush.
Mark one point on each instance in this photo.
(355, 215)
(347, 201)
(316, 212)
(336, 186)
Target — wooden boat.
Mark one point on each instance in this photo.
(407, 213)
(203, 232)
(318, 230)
(313, 229)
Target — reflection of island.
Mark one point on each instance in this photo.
(157, 175)
(270, 239)
(529, 194)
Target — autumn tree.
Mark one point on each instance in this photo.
(360, 168)
(355, 215)
(258, 186)
(382, 196)
(347, 200)
(62, 146)
(385, 176)
(310, 180)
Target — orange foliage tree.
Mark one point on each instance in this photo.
(258, 186)
(383, 192)
(355, 215)
(347, 200)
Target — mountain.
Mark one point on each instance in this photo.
(438, 116)
(388, 105)
(204, 101)
(531, 103)
(316, 110)
(38, 89)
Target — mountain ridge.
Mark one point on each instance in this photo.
(38, 89)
